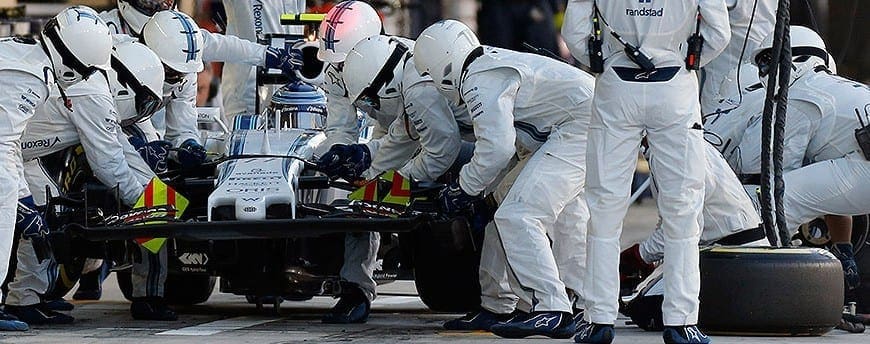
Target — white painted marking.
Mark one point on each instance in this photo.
(396, 300)
(219, 326)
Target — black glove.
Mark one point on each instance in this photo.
(191, 154)
(453, 200)
(345, 161)
(154, 153)
(31, 224)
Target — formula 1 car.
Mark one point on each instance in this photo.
(264, 221)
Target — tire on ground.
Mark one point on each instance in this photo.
(446, 260)
(178, 290)
(782, 291)
(757, 291)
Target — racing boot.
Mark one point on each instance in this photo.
(9, 322)
(480, 320)
(59, 305)
(844, 252)
(550, 324)
(684, 335)
(90, 287)
(39, 314)
(151, 308)
(352, 308)
(578, 316)
(594, 333)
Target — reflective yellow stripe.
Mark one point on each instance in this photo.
(158, 193)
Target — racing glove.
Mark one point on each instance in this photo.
(191, 154)
(287, 60)
(345, 161)
(845, 253)
(154, 153)
(453, 200)
(30, 223)
(632, 265)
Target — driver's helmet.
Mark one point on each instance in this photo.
(297, 105)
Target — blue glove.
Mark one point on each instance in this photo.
(154, 153)
(30, 223)
(845, 253)
(453, 200)
(286, 60)
(191, 154)
(345, 161)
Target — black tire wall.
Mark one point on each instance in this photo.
(787, 291)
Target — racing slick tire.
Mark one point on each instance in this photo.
(179, 289)
(188, 289)
(125, 283)
(770, 291)
(68, 275)
(755, 291)
(446, 259)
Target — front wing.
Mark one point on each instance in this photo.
(234, 230)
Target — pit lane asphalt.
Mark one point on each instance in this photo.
(396, 318)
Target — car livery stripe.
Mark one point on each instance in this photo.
(334, 20)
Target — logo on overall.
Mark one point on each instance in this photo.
(41, 143)
(644, 11)
(545, 321)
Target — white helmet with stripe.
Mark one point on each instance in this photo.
(176, 39)
(345, 25)
(78, 43)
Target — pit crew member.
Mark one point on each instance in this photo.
(74, 46)
(530, 103)
(825, 166)
(645, 84)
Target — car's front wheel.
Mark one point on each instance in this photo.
(446, 260)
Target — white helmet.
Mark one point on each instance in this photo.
(78, 43)
(346, 24)
(441, 52)
(136, 79)
(176, 39)
(808, 51)
(137, 12)
(373, 70)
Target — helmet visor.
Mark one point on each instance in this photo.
(146, 101)
(172, 76)
(312, 116)
(763, 60)
(370, 96)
